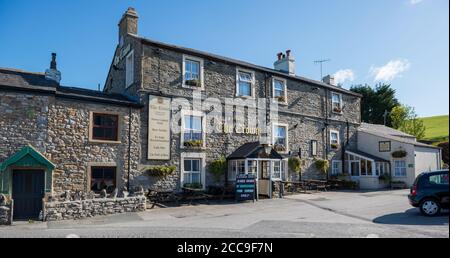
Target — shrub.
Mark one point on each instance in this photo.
(218, 168)
(160, 171)
(384, 178)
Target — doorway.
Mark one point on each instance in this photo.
(27, 192)
(264, 178)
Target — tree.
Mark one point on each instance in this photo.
(398, 116)
(376, 102)
(405, 119)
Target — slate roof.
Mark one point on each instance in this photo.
(367, 155)
(30, 82)
(243, 64)
(253, 150)
(392, 134)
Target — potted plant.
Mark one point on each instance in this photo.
(218, 168)
(160, 172)
(193, 143)
(399, 154)
(193, 82)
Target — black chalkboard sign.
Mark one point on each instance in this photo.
(245, 187)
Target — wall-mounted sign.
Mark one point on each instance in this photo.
(242, 130)
(384, 146)
(158, 128)
(245, 187)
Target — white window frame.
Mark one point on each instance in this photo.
(285, 90)
(129, 69)
(287, 135)
(314, 147)
(192, 155)
(252, 84)
(333, 103)
(338, 138)
(201, 71)
(185, 113)
(405, 168)
(333, 162)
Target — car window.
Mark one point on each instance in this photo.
(438, 179)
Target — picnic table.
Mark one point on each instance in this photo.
(317, 185)
(192, 194)
(160, 196)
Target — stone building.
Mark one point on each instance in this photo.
(314, 120)
(166, 106)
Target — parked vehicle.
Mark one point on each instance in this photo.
(430, 192)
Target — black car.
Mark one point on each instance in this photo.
(430, 192)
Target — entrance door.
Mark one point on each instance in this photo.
(264, 178)
(27, 193)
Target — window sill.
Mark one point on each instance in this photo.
(185, 86)
(192, 148)
(104, 141)
(338, 113)
(245, 97)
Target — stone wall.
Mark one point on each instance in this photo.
(5, 211)
(81, 209)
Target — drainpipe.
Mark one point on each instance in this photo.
(129, 148)
(347, 142)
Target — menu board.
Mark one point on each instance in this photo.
(158, 128)
(245, 187)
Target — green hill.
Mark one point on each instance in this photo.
(437, 128)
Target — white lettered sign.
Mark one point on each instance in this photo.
(158, 128)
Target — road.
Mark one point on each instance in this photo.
(333, 214)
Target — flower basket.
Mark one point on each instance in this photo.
(280, 148)
(337, 109)
(334, 146)
(281, 99)
(193, 144)
(193, 185)
(195, 83)
(160, 171)
(399, 154)
(322, 165)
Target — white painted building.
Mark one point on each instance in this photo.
(376, 155)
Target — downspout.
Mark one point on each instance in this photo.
(129, 148)
(347, 142)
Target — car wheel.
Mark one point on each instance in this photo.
(430, 207)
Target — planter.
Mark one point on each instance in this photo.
(160, 171)
(337, 110)
(281, 99)
(334, 146)
(195, 83)
(279, 148)
(194, 144)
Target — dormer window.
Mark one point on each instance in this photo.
(336, 103)
(280, 90)
(192, 72)
(245, 83)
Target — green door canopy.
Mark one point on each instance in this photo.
(27, 157)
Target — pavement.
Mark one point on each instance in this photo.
(379, 214)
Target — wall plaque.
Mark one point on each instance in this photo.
(158, 128)
(384, 146)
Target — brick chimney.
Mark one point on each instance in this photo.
(285, 63)
(53, 73)
(128, 23)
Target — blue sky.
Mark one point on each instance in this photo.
(403, 42)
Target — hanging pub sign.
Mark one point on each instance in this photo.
(245, 187)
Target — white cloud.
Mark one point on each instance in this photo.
(414, 2)
(391, 70)
(342, 76)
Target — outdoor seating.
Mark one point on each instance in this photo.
(192, 194)
(156, 197)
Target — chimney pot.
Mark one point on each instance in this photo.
(53, 73)
(288, 52)
(280, 55)
(285, 65)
